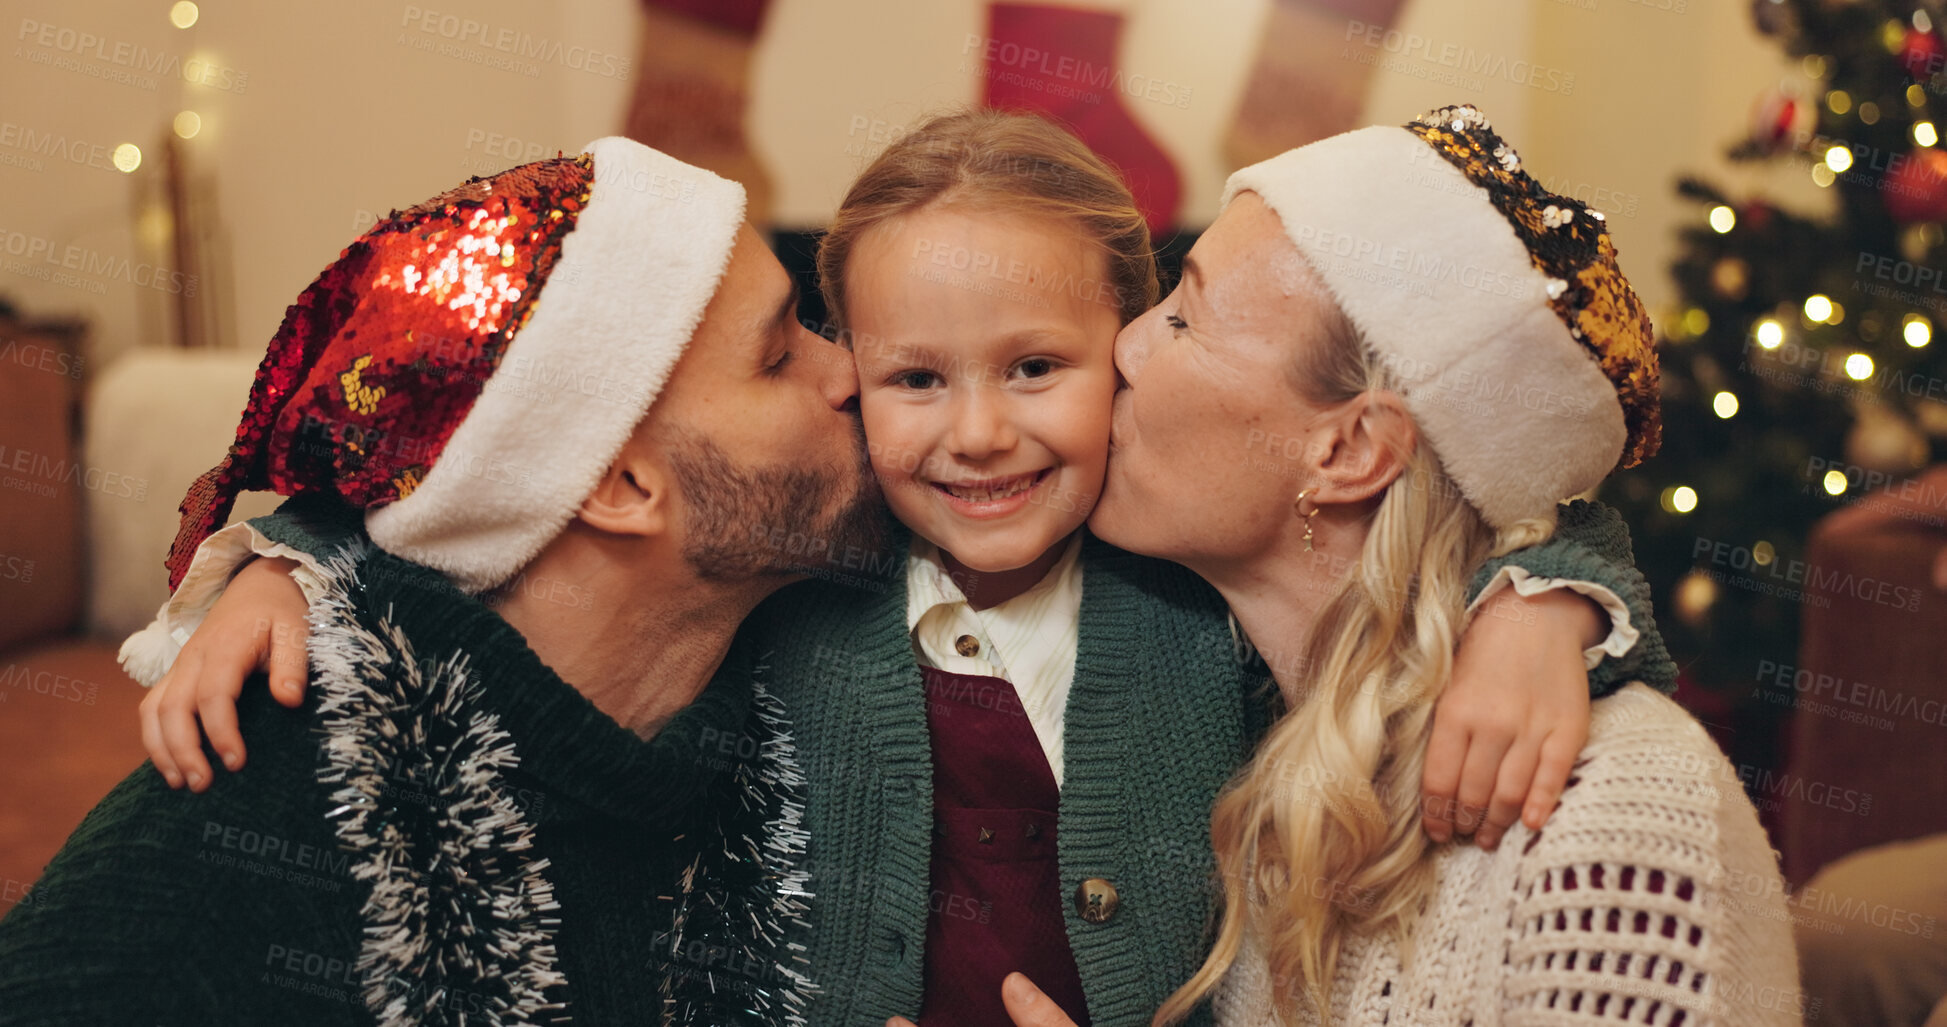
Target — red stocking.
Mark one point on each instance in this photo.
(1061, 62)
(743, 17)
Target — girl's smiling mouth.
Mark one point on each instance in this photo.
(991, 497)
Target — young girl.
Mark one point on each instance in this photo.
(1013, 740)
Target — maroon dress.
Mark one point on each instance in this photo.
(996, 902)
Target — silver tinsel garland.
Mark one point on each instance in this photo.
(727, 960)
(460, 924)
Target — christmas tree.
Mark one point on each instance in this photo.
(1800, 372)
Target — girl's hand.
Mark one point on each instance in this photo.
(1509, 726)
(258, 624)
(1026, 1006)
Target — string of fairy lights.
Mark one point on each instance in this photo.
(1832, 160)
(127, 157)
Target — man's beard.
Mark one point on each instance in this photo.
(756, 521)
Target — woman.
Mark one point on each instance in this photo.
(1452, 348)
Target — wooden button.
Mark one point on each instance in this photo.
(967, 645)
(1096, 900)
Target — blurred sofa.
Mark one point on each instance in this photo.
(93, 462)
(1868, 737)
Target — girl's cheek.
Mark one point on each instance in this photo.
(1091, 412)
(876, 452)
(889, 444)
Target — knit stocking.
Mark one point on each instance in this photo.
(1306, 84)
(1061, 62)
(691, 72)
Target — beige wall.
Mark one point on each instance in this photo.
(339, 117)
(342, 116)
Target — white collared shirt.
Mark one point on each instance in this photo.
(1030, 640)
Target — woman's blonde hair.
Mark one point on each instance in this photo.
(1003, 162)
(1318, 837)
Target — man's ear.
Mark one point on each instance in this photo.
(633, 496)
(1365, 447)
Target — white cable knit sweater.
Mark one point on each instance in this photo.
(1650, 897)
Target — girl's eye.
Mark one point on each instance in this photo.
(914, 379)
(778, 366)
(1175, 322)
(1035, 367)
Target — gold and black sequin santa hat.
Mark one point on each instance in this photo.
(1569, 242)
(1495, 307)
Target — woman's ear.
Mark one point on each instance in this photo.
(633, 496)
(1365, 447)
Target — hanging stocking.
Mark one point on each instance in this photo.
(691, 76)
(1305, 86)
(1061, 62)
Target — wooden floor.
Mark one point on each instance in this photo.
(68, 733)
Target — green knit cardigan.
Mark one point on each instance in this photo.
(1162, 711)
(1160, 714)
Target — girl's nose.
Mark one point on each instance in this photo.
(981, 425)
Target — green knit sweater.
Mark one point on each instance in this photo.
(245, 905)
(1160, 714)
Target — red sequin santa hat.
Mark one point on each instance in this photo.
(468, 368)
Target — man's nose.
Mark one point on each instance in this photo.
(840, 383)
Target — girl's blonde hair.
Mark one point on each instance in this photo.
(1318, 837)
(1002, 162)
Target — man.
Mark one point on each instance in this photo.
(521, 807)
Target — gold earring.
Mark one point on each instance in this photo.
(1307, 516)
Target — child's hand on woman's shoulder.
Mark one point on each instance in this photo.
(1509, 725)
